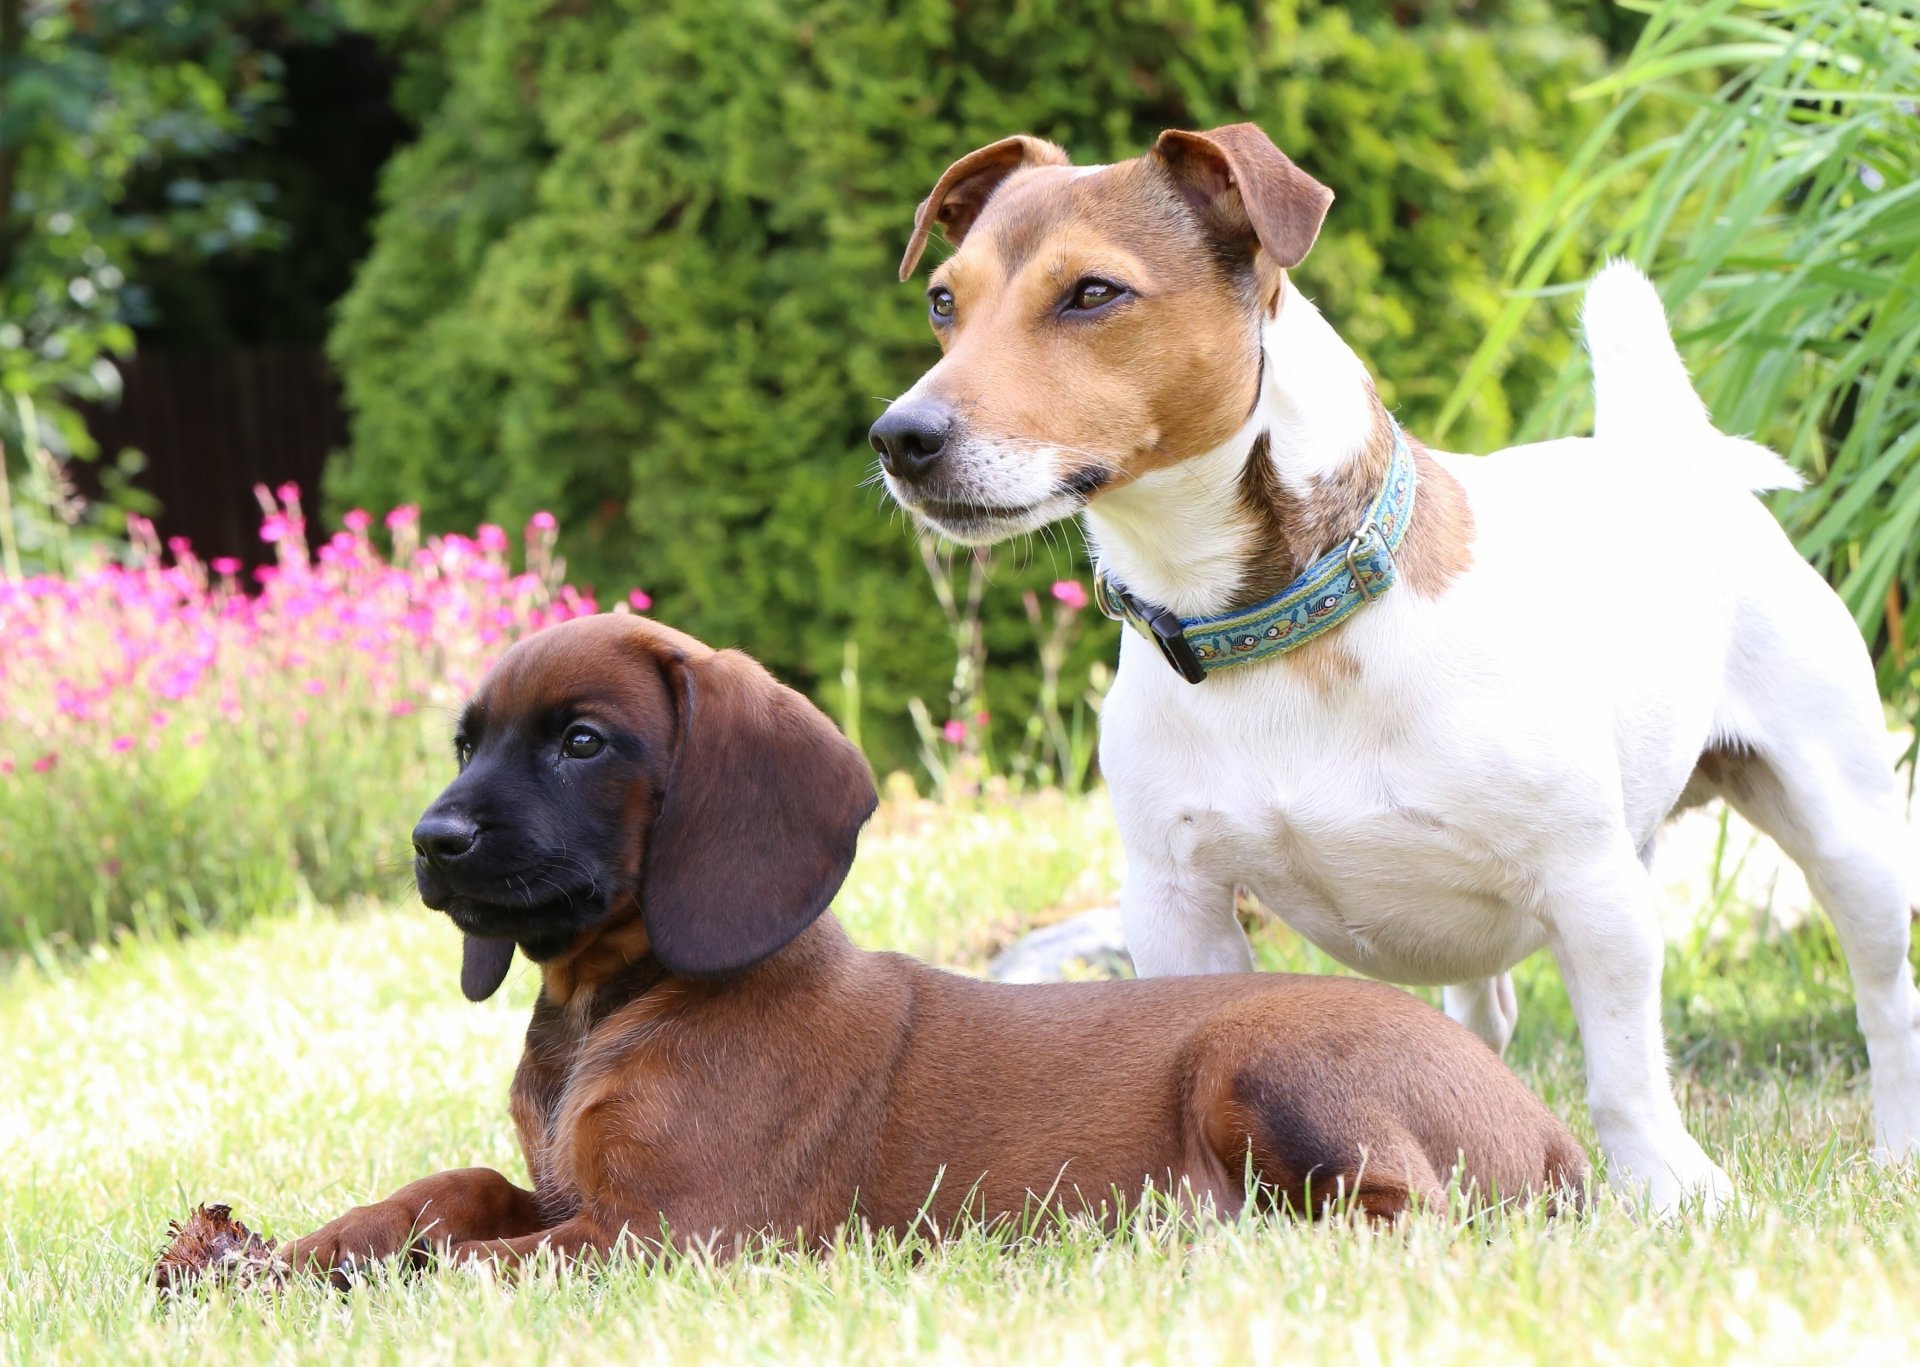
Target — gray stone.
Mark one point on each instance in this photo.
(1090, 945)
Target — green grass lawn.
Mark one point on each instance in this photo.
(316, 1059)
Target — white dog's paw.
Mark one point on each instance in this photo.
(1674, 1180)
(1896, 1126)
(1707, 1192)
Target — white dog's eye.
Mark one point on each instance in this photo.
(1092, 294)
(940, 300)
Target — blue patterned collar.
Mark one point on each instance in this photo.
(1328, 591)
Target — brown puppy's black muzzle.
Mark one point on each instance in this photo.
(441, 839)
(910, 437)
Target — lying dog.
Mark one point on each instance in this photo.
(660, 826)
(1431, 709)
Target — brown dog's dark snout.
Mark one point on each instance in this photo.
(441, 838)
(911, 436)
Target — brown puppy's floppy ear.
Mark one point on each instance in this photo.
(1246, 185)
(961, 193)
(764, 802)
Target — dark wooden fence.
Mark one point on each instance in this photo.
(213, 425)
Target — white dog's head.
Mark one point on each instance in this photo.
(1098, 322)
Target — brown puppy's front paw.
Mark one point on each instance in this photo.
(342, 1249)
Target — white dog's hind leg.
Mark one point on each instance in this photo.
(1181, 925)
(1486, 1007)
(1604, 934)
(1838, 816)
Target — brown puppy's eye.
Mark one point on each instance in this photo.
(1088, 295)
(462, 751)
(582, 742)
(940, 300)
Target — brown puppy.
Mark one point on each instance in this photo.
(660, 827)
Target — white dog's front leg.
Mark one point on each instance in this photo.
(1487, 1008)
(1181, 924)
(1607, 940)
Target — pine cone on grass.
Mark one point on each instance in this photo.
(211, 1245)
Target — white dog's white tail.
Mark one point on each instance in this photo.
(1641, 393)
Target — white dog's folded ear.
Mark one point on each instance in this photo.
(1246, 186)
(961, 193)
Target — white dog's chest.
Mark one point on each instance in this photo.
(1396, 892)
(1417, 862)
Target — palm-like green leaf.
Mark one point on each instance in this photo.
(1783, 222)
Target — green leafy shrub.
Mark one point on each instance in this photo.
(639, 266)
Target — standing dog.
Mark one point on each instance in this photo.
(660, 827)
(1538, 655)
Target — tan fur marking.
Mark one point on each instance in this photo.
(1724, 769)
(593, 959)
(1325, 664)
(1294, 531)
(1439, 544)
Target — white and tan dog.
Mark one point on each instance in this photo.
(1581, 635)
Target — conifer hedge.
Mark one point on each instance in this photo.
(638, 268)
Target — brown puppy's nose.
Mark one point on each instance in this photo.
(911, 436)
(442, 839)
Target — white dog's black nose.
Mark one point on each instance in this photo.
(911, 436)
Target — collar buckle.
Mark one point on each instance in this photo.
(1167, 630)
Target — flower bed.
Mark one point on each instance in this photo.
(177, 746)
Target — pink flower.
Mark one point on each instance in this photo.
(406, 515)
(1071, 592)
(289, 494)
(6, 766)
(274, 527)
(982, 717)
(46, 762)
(357, 520)
(226, 564)
(641, 601)
(315, 687)
(122, 744)
(542, 521)
(491, 539)
(955, 731)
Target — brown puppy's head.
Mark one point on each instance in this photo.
(610, 761)
(1098, 322)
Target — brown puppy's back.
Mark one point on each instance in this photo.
(1094, 1088)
